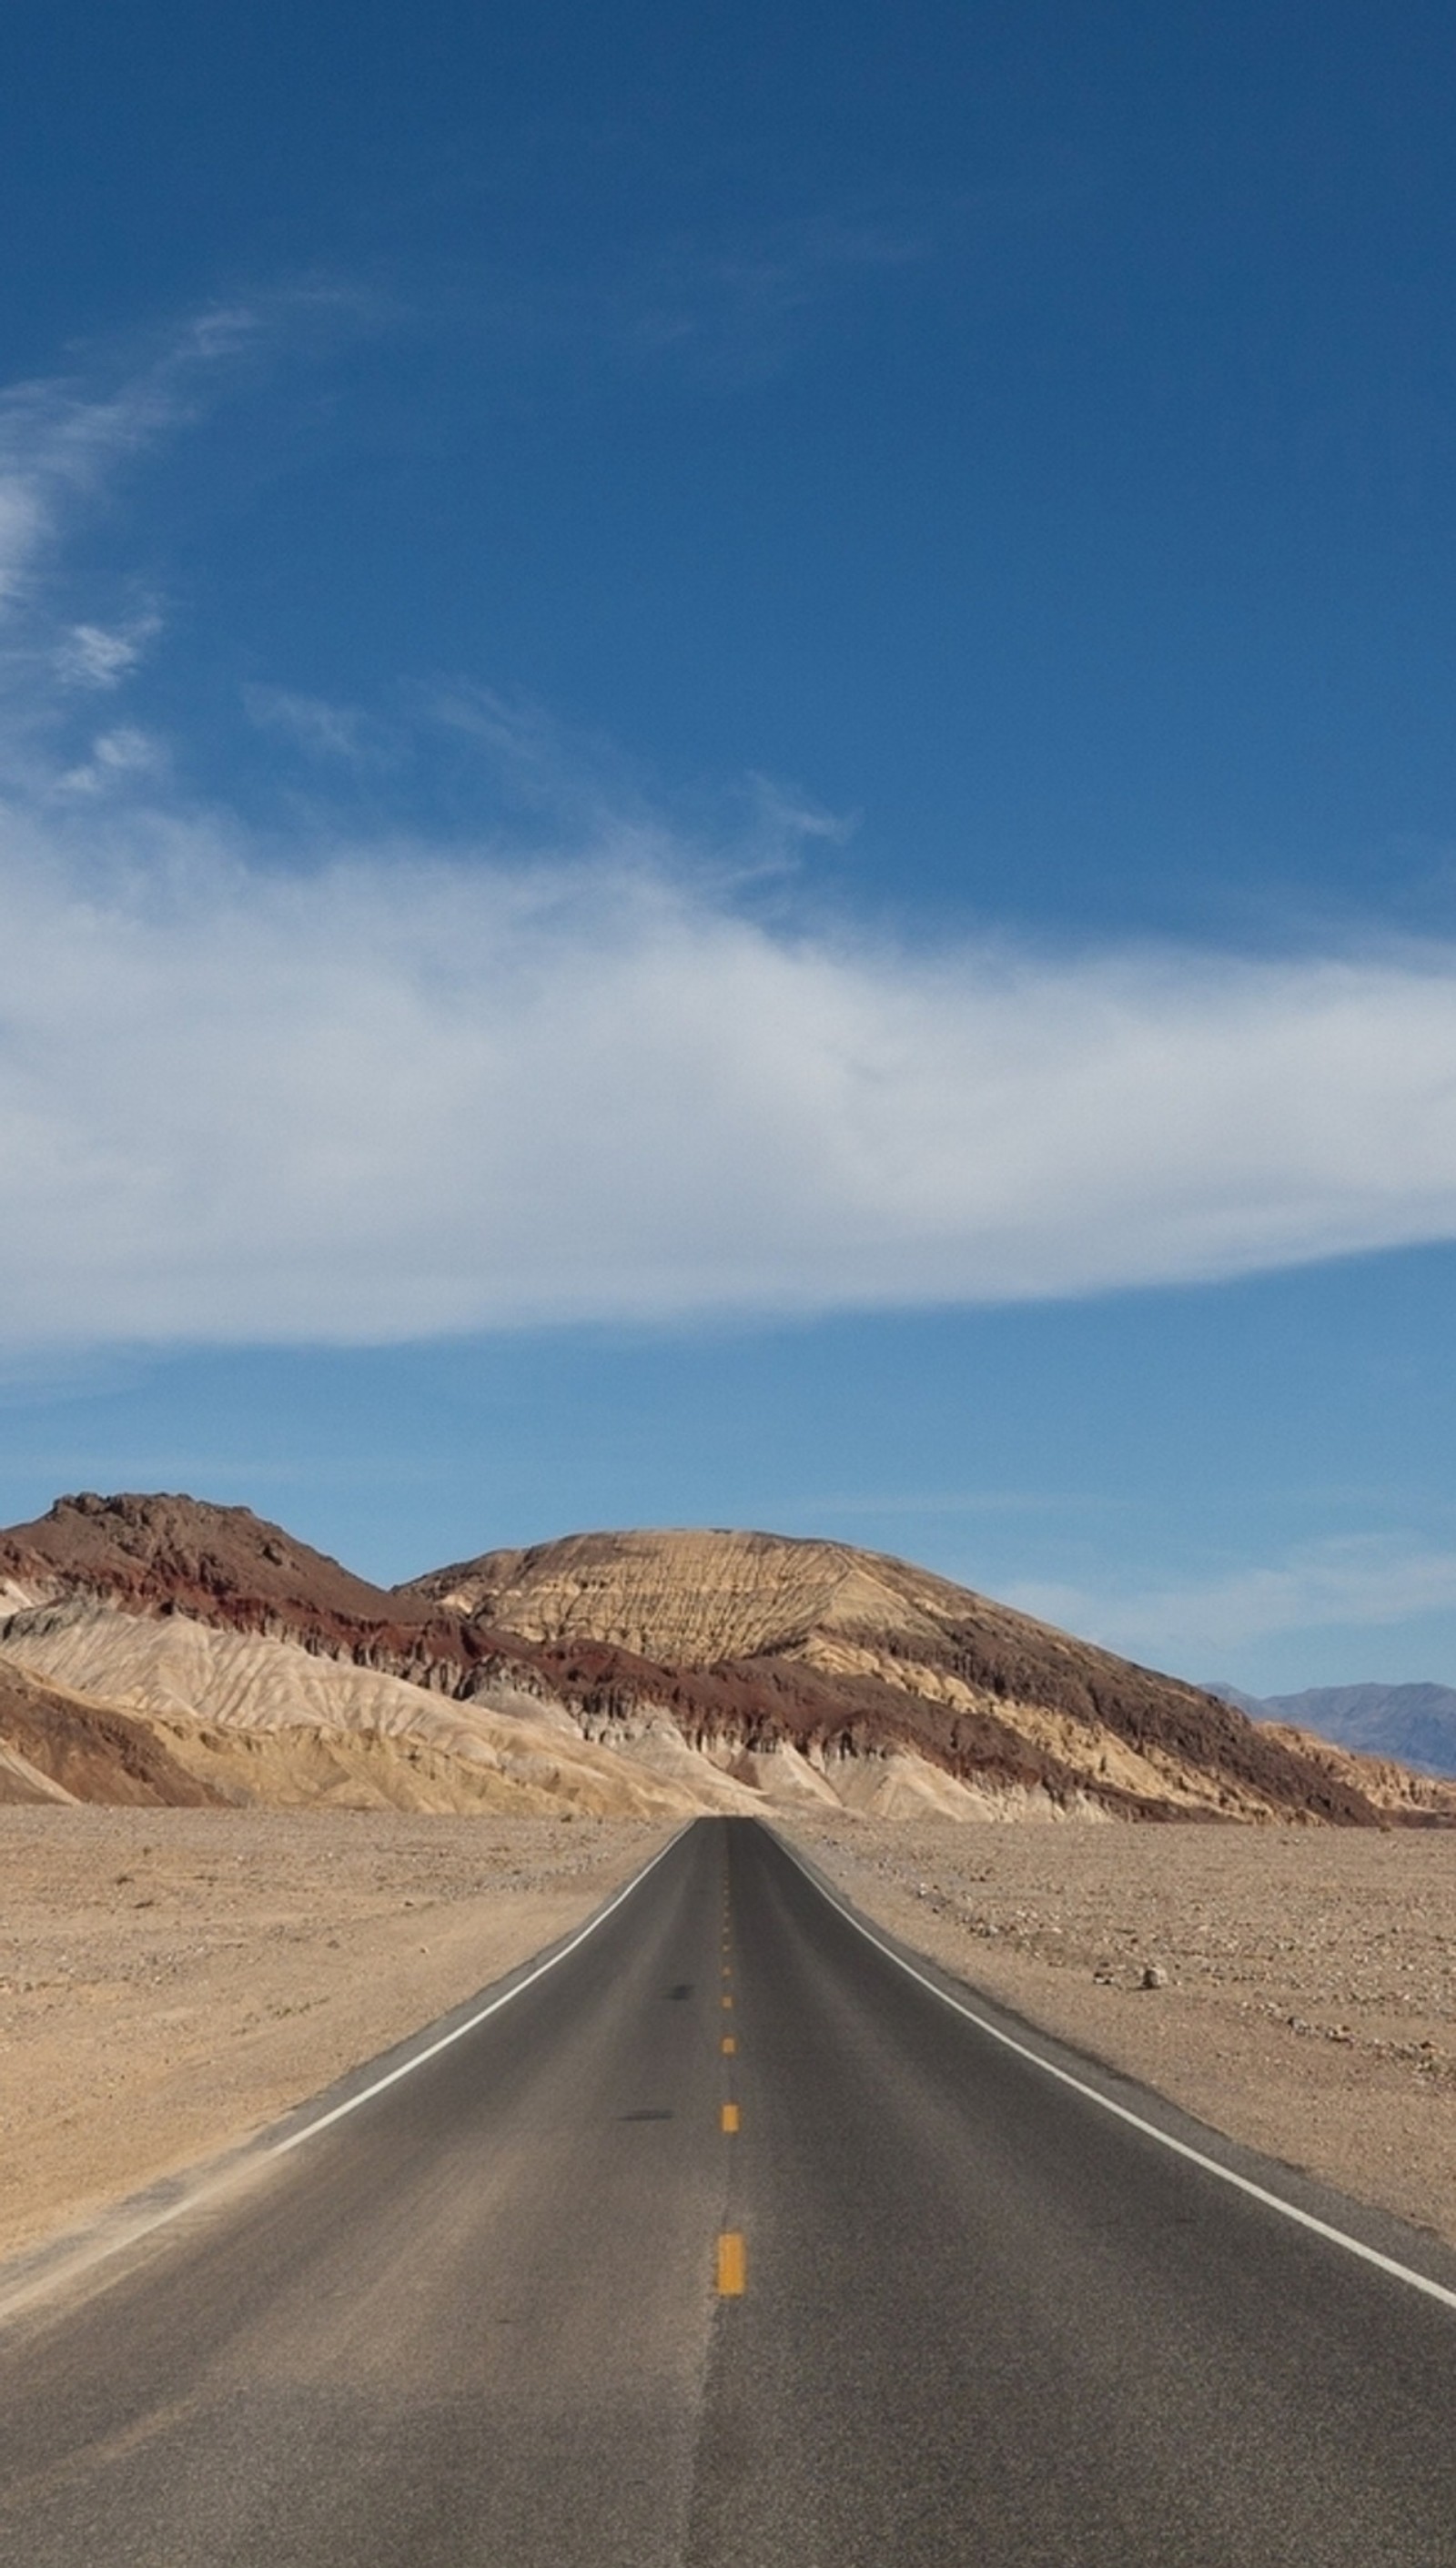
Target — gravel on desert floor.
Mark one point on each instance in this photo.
(1307, 2004)
(172, 1981)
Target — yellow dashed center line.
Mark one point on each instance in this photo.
(731, 2266)
(730, 2117)
(727, 2002)
(728, 2045)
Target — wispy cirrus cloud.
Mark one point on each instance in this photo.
(61, 440)
(65, 442)
(312, 724)
(347, 1088)
(1355, 1581)
(584, 792)
(736, 305)
(104, 656)
(125, 755)
(727, 304)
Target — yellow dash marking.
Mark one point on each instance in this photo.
(727, 2002)
(731, 2262)
(728, 2045)
(730, 2117)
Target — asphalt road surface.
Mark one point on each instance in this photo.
(866, 2287)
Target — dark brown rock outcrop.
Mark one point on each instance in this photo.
(815, 1666)
(92, 1751)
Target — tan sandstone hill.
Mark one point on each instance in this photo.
(645, 1674)
(833, 1647)
(56, 1745)
(266, 1672)
(1403, 1791)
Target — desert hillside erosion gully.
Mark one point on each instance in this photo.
(162, 1650)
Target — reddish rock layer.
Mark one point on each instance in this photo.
(976, 1691)
(92, 1750)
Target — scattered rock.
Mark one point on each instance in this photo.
(1316, 1994)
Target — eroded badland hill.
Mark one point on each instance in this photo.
(161, 1648)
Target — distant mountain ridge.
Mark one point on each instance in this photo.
(650, 1673)
(1414, 1723)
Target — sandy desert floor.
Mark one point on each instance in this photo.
(173, 1979)
(1310, 2004)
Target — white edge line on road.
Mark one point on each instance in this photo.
(1124, 2113)
(458, 2033)
(98, 2251)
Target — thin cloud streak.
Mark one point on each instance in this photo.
(309, 723)
(59, 442)
(1364, 1583)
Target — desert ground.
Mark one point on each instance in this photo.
(1307, 2005)
(174, 1980)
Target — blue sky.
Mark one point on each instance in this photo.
(727, 765)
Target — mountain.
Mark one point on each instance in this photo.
(1413, 1724)
(654, 1673)
(60, 1746)
(271, 1674)
(1253, 1704)
(1402, 1793)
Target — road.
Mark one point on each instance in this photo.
(537, 2302)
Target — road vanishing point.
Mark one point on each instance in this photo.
(730, 2235)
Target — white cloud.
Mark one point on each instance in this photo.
(395, 1096)
(277, 1090)
(1361, 1581)
(118, 757)
(95, 655)
(60, 441)
(55, 445)
(22, 526)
